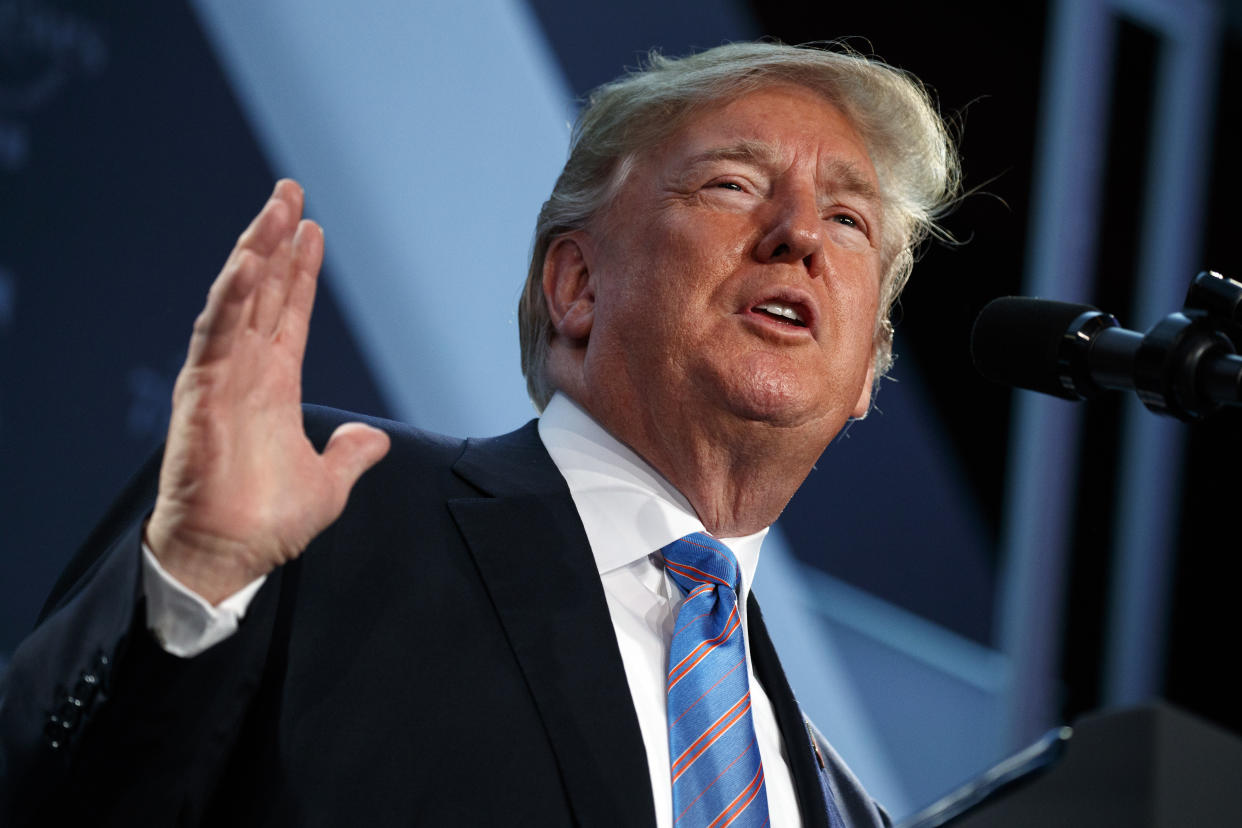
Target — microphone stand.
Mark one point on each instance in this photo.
(1186, 366)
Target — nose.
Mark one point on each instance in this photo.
(795, 233)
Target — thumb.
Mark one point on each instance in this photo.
(352, 449)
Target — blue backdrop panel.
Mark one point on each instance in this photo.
(128, 174)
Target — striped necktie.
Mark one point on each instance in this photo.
(716, 771)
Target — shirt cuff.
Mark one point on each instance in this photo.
(182, 621)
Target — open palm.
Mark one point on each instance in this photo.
(242, 490)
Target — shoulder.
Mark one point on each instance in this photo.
(320, 421)
(440, 462)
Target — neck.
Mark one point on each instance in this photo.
(737, 474)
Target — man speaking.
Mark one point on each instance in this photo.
(551, 627)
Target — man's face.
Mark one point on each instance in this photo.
(737, 272)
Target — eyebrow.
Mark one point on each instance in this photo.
(844, 175)
(746, 150)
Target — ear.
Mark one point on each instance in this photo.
(864, 398)
(568, 288)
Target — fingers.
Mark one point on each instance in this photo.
(227, 309)
(272, 239)
(255, 283)
(352, 449)
(307, 259)
(275, 222)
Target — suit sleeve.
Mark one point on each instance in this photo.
(96, 719)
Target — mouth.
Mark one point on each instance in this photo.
(787, 313)
(783, 313)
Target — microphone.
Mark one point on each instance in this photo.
(1185, 366)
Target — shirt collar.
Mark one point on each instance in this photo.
(626, 507)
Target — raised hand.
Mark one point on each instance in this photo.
(242, 490)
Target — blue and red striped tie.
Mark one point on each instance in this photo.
(716, 771)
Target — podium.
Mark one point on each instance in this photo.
(1146, 767)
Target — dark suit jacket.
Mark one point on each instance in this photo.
(441, 655)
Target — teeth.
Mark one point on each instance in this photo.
(777, 309)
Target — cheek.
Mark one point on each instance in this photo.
(857, 284)
(635, 318)
(854, 305)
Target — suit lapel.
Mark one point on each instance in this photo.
(798, 746)
(533, 554)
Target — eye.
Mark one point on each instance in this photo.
(729, 185)
(851, 220)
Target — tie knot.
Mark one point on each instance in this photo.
(699, 558)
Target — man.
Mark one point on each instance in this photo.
(492, 630)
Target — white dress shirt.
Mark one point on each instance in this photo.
(629, 512)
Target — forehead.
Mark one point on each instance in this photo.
(777, 124)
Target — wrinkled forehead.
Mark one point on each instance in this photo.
(706, 129)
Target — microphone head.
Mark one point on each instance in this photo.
(1017, 341)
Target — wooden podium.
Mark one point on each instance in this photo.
(1145, 767)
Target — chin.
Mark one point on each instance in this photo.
(773, 394)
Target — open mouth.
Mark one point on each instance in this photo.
(782, 312)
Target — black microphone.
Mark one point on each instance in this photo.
(1185, 366)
